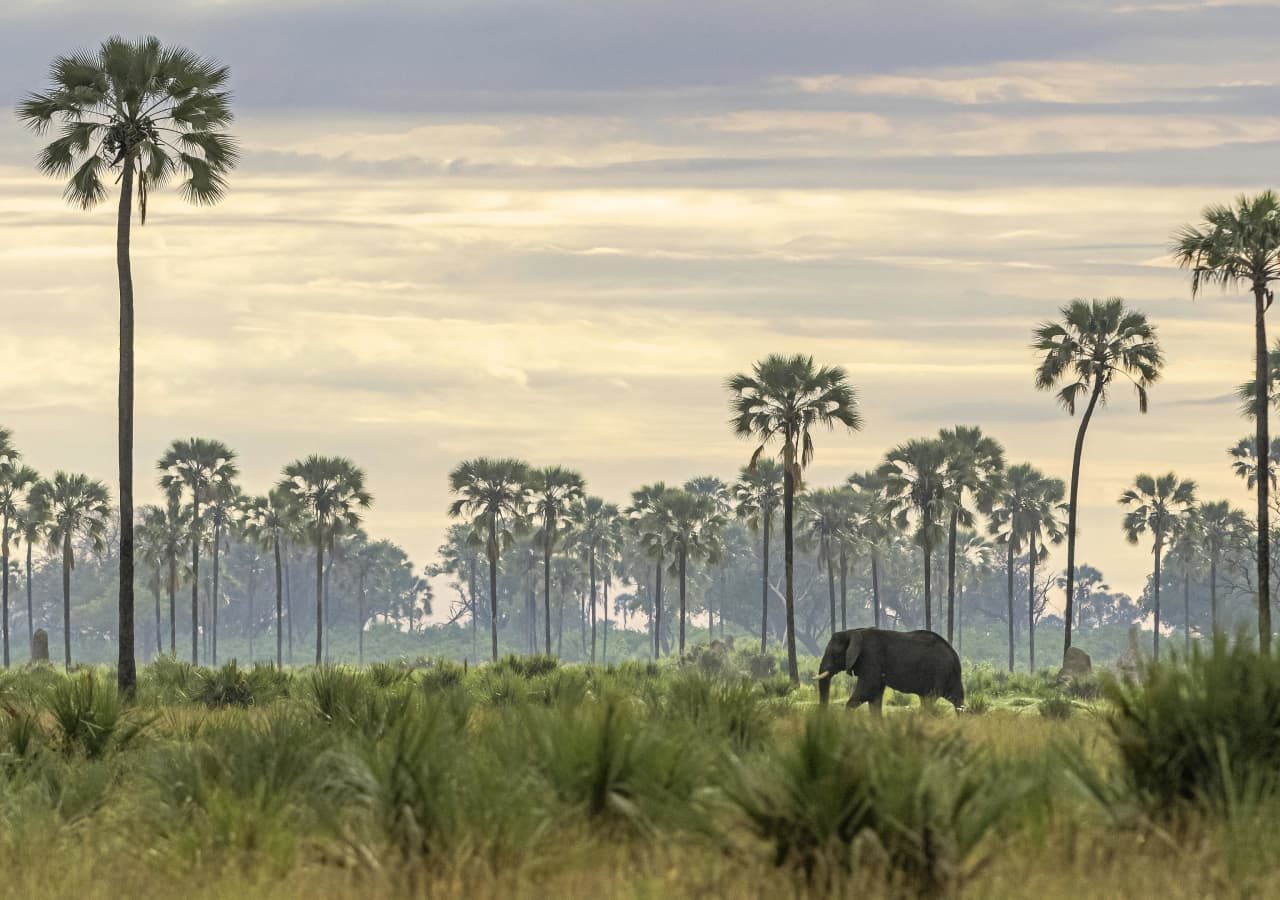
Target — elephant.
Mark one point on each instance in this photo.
(913, 662)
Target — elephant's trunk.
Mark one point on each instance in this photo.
(824, 687)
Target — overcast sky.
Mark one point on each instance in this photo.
(551, 229)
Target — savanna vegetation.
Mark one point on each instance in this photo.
(614, 696)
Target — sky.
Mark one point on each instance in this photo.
(552, 229)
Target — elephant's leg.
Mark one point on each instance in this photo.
(866, 691)
(876, 704)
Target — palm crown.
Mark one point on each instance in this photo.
(1156, 505)
(329, 490)
(75, 506)
(159, 111)
(1095, 342)
(915, 486)
(1234, 245)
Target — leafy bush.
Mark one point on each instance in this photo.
(977, 704)
(709, 659)
(170, 678)
(227, 686)
(760, 666)
(526, 666)
(1205, 731)
(89, 715)
(733, 709)
(1056, 708)
(441, 675)
(1086, 687)
(385, 674)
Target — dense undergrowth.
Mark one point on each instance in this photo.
(529, 778)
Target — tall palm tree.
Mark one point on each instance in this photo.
(16, 483)
(198, 467)
(646, 525)
(872, 512)
(330, 495)
(552, 491)
(268, 521)
(758, 492)
(177, 532)
(974, 557)
(153, 532)
(1222, 525)
(1157, 505)
(1186, 545)
(1244, 461)
(593, 523)
(225, 501)
(1239, 247)
(1026, 513)
(145, 113)
(1094, 343)
(823, 520)
(76, 507)
(915, 484)
(784, 399)
(974, 465)
(687, 528)
(32, 529)
(718, 495)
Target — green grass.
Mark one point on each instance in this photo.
(534, 778)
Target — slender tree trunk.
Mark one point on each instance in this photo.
(252, 592)
(319, 594)
(360, 623)
(875, 587)
(31, 628)
(928, 590)
(155, 585)
(960, 618)
(195, 577)
(789, 560)
(546, 581)
(4, 593)
(591, 567)
(684, 560)
(126, 670)
(1263, 375)
(1186, 607)
(604, 644)
(279, 605)
(657, 614)
(951, 575)
(831, 582)
(328, 609)
(1009, 572)
(1213, 594)
(1076, 456)
(173, 603)
(764, 585)
(1031, 603)
(213, 597)
(66, 601)
(1159, 553)
(475, 608)
(493, 585)
(288, 603)
(844, 589)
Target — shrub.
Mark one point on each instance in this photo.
(89, 715)
(172, 679)
(977, 704)
(709, 659)
(777, 686)
(227, 686)
(1056, 708)
(760, 666)
(1205, 731)
(441, 675)
(1086, 687)
(731, 709)
(385, 674)
(526, 666)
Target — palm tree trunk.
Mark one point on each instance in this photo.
(173, 603)
(764, 584)
(1009, 572)
(328, 610)
(31, 628)
(1159, 553)
(684, 558)
(1031, 603)
(288, 603)
(1262, 421)
(279, 606)
(928, 590)
(875, 587)
(126, 670)
(195, 577)
(592, 575)
(960, 618)
(66, 601)
(475, 607)
(1186, 607)
(951, 575)
(546, 583)
(1213, 594)
(604, 642)
(844, 589)
(155, 586)
(360, 622)
(213, 598)
(1076, 456)
(319, 594)
(789, 560)
(831, 583)
(657, 614)
(493, 584)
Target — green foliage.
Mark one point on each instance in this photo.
(730, 708)
(526, 666)
(1056, 708)
(89, 715)
(227, 686)
(1204, 731)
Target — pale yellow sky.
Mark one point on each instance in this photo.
(565, 263)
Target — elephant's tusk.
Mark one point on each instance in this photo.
(822, 676)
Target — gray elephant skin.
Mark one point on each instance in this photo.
(912, 662)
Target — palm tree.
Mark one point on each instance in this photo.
(1221, 526)
(148, 113)
(593, 523)
(823, 520)
(784, 399)
(1244, 461)
(177, 531)
(915, 485)
(75, 507)
(758, 492)
(717, 494)
(552, 491)
(687, 529)
(1095, 342)
(32, 529)
(225, 501)
(646, 524)
(329, 494)
(268, 520)
(1239, 246)
(1026, 512)
(872, 512)
(1157, 505)
(199, 467)
(1186, 544)
(974, 556)
(153, 533)
(16, 484)
(974, 465)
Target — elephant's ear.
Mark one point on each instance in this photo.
(853, 650)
